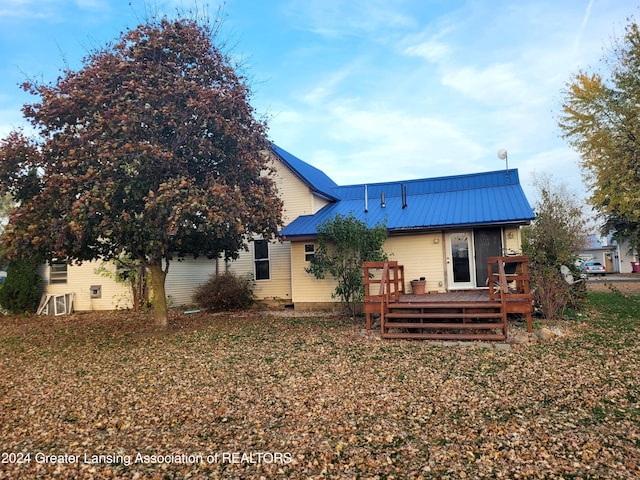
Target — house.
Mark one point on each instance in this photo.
(616, 257)
(628, 260)
(442, 229)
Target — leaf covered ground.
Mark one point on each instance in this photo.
(256, 395)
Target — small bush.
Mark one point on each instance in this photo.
(225, 292)
(20, 291)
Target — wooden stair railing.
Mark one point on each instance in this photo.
(504, 291)
(512, 285)
(389, 276)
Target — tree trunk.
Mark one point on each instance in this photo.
(158, 276)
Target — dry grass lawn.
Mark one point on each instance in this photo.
(253, 395)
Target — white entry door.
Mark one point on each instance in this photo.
(460, 265)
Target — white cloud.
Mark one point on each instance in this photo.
(51, 10)
(388, 145)
(493, 84)
(326, 86)
(338, 18)
(27, 9)
(430, 50)
(92, 4)
(560, 162)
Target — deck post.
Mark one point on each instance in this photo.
(504, 290)
(390, 286)
(518, 298)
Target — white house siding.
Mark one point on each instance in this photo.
(512, 240)
(278, 286)
(307, 289)
(318, 203)
(80, 278)
(298, 200)
(625, 259)
(422, 256)
(185, 276)
(296, 196)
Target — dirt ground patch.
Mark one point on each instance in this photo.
(632, 287)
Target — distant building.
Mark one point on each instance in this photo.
(616, 257)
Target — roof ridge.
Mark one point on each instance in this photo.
(441, 178)
(315, 178)
(422, 186)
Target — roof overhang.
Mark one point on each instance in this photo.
(421, 230)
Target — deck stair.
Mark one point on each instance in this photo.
(471, 315)
(459, 320)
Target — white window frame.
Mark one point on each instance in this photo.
(309, 253)
(257, 260)
(58, 275)
(60, 304)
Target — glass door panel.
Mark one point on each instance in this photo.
(460, 260)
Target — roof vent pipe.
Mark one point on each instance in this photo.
(404, 195)
(382, 203)
(366, 199)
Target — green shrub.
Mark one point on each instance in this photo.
(20, 291)
(225, 292)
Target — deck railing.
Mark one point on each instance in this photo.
(509, 280)
(389, 276)
(431, 318)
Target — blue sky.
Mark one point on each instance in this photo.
(366, 90)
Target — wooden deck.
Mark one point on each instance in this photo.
(456, 315)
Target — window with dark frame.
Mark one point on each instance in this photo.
(58, 272)
(309, 252)
(261, 259)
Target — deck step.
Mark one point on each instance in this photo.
(445, 336)
(444, 315)
(453, 326)
(450, 305)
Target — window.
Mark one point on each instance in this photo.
(261, 259)
(58, 272)
(60, 305)
(309, 252)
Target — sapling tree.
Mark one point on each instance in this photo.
(344, 243)
(554, 239)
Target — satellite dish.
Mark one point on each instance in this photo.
(502, 155)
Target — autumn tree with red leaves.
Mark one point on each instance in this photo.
(150, 149)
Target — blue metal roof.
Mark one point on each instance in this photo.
(316, 179)
(445, 202)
